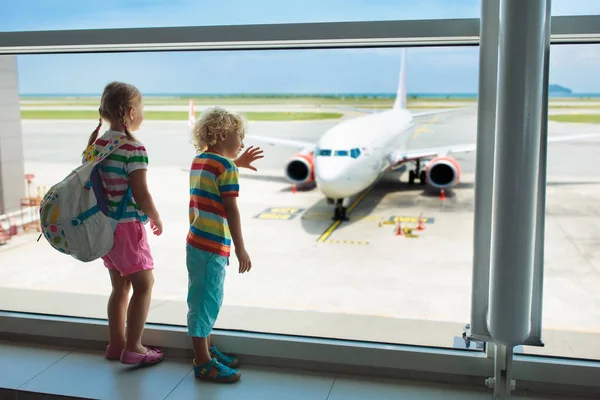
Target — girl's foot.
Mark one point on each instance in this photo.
(153, 356)
(230, 361)
(216, 372)
(112, 354)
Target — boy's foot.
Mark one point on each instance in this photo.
(216, 372)
(230, 361)
(152, 356)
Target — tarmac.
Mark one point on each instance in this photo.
(359, 281)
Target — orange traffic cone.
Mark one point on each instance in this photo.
(442, 195)
(421, 225)
(398, 229)
(294, 188)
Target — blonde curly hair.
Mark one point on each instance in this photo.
(212, 124)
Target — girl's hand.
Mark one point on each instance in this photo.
(248, 157)
(157, 226)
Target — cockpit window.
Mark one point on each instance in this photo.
(355, 153)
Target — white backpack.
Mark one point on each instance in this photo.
(74, 215)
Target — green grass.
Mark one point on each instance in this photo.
(580, 118)
(177, 115)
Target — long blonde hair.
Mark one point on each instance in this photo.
(116, 99)
(214, 122)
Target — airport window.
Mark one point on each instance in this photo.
(35, 15)
(398, 294)
(422, 256)
(571, 273)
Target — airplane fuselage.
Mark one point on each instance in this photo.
(354, 154)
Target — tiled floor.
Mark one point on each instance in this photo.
(34, 372)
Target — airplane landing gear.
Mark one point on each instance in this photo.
(417, 174)
(341, 211)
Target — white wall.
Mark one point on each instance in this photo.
(12, 174)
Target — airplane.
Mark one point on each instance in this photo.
(353, 155)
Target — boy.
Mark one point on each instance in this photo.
(214, 223)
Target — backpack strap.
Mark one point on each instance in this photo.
(115, 143)
(123, 205)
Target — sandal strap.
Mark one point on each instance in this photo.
(224, 371)
(205, 368)
(221, 356)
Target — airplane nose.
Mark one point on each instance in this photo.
(337, 184)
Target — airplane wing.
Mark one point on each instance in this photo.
(284, 142)
(438, 111)
(401, 157)
(414, 114)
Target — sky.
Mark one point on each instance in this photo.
(429, 70)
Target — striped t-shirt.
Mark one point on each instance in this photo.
(115, 170)
(212, 177)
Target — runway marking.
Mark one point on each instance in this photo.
(279, 213)
(425, 128)
(336, 224)
(413, 220)
(359, 242)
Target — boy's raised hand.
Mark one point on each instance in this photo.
(248, 157)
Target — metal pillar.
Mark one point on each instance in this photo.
(516, 168)
(484, 176)
(535, 335)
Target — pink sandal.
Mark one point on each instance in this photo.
(112, 354)
(153, 356)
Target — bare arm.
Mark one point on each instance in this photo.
(139, 189)
(234, 221)
(235, 227)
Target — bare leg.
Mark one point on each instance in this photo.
(139, 305)
(201, 354)
(117, 309)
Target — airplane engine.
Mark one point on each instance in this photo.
(300, 168)
(443, 172)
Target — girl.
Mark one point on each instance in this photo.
(129, 262)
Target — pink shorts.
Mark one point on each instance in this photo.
(131, 252)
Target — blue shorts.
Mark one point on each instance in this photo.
(206, 278)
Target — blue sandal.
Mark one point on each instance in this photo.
(224, 373)
(230, 361)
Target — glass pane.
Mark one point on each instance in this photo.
(571, 305)
(384, 275)
(71, 14)
(341, 153)
(575, 7)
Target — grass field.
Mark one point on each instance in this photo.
(580, 118)
(317, 101)
(178, 115)
(240, 100)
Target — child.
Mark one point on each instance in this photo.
(129, 262)
(214, 222)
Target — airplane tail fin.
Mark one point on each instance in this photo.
(401, 95)
(191, 114)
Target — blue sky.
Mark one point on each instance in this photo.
(327, 71)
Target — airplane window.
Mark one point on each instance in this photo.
(324, 153)
(355, 153)
(341, 153)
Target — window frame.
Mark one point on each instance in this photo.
(413, 362)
